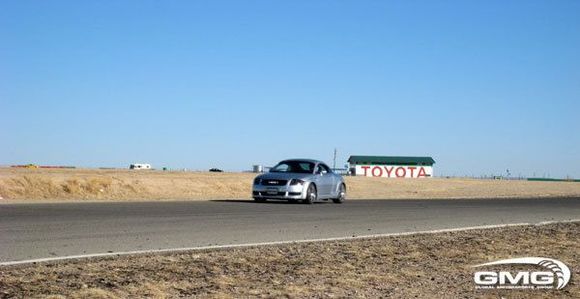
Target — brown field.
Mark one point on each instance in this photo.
(125, 185)
(417, 266)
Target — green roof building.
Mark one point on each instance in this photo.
(391, 166)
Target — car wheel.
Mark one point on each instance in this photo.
(257, 199)
(311, 194)
(341, 194)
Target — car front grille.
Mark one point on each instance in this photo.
(274, 182)
(263, 193)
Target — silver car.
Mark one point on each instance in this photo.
(300, 180)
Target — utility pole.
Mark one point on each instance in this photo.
(334, 161)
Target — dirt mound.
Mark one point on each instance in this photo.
(126, 185)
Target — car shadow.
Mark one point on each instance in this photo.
(278, 202)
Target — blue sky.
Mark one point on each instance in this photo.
(481, 86)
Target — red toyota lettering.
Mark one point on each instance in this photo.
(389, 170)
(366, 168)
(399, 175)
(379, 169)
(422, 172)
(412, 169)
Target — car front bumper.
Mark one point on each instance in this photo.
(279, 192)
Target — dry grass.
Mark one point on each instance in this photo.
(84, 184)
(126, 185)
(376, 188)
(419, 266)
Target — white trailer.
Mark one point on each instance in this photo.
(140, 166)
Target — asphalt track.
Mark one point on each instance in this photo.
(36, 231)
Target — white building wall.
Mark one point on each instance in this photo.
(394, 171)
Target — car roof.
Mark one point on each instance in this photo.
(302, 160)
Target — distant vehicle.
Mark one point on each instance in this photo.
(140, 166)
(303, 180)
(215, 170)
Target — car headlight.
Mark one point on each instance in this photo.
(257, 181)
(296, 182)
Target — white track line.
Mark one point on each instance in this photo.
(153, 251)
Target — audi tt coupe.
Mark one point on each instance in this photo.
(302, 180)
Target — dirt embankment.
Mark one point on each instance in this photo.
(126, 185)
(418, 266)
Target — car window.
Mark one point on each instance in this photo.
(282, 167)
(321, 167)
(325, 168)
(294, 167)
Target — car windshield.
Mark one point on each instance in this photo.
(294, 167)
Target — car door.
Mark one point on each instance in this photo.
(330, 177)
(325, 180)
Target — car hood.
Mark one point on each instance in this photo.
(284, 176)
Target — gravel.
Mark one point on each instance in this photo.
(421, 266)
